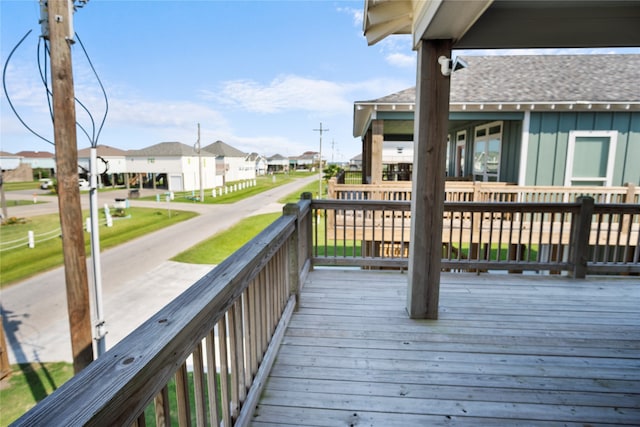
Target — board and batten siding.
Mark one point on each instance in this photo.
(549, 140)
(510, 151)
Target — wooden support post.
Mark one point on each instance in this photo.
(580, 229)
(376, 151)
(430, 136)
(306, 238)
(294, 264)
(64, 128)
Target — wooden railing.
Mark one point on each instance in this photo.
(468, 191)
(217, 341)
(225, 329)
(578, 237)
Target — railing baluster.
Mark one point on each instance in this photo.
(212, 382)
(182, 396)
(224, 372)
(240, 355)
(198, 383)
(162, 408)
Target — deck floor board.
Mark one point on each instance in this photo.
(507, 350)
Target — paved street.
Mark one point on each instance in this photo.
(138, 278)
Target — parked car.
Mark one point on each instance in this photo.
(83, 183)
(46, 183)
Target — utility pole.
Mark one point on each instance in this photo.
(64, 129)
(320, 160)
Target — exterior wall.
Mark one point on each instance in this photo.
(549, 140)
(191, 173)
(169, 164)
(178, 169)
(116, 164)
(42, 163)
(510, 151)
(9, 163)
(238, 169)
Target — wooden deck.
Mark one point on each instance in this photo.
(507, 350)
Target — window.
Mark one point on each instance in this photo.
(590, 158)
(461, 143)
(486, 152)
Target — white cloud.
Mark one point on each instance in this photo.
(401, 60)
(285, 93)
(356, 14)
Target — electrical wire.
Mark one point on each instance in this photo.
(6, 93)
(95, 135)
(43, 77)
(106, 99)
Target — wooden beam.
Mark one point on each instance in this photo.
(64, 128)
(431, 121)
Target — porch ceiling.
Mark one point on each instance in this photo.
(500, 24)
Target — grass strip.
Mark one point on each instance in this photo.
(217, 248)
(28, 384)
(23, 262)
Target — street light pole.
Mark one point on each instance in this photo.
(321, 130)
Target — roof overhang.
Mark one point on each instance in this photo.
(502, 24)
(365, 112)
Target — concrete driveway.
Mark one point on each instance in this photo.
(138, 278)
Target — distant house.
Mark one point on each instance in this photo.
(9, 161)
(171, 165)
(277, 163)
(307, 160)
(233, 164)
(260, 163)
(112, 164)
(532, 120)
(39, 160)
(355, 163)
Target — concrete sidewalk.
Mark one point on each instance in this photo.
(138, 280)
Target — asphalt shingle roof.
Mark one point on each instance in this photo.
(541, 78)
(220, 148)
(167, 149)
(103, 150)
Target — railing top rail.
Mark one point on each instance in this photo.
(400, 205)
(510, 207)
(117, 387)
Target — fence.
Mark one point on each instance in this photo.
(578, 237)
(468, 191)
(228, 324)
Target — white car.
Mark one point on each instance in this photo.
(83, 183)
(46, 183)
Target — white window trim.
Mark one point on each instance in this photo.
(613, 142)
(487, 126)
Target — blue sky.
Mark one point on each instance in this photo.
(258, 75)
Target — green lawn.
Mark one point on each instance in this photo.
(215, 249)
(22, 262)
(29, 384)
(25, 185)
(263, 183)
